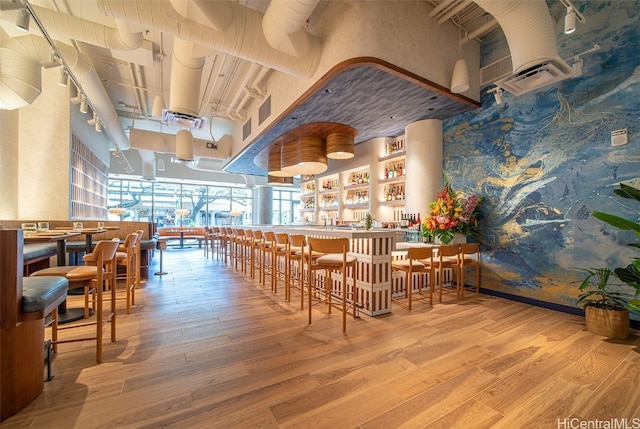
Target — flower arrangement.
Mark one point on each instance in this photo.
(451, 214)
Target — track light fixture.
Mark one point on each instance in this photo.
(96, 122)
(64, 78)
(22, 20)
(571, 17)
(84, 106)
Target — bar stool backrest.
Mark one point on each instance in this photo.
(328, 245)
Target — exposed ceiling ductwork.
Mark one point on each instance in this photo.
(20, 79)
(243, 38)
(529, 30)
(283, 25)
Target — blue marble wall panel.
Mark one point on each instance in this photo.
(544, 161)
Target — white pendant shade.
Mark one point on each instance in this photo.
(460, 78)
(184, 145)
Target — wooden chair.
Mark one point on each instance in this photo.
(127, 257)
(104, 279)
(334, 257)
(447, 258)
(469, 256)
(419, 261)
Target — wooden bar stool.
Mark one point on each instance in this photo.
(448, 259)
(419, 261)
(127, 257)
(269, 257)
(469, 256)
(334, 258)
(101, 277)
(282, 263)
(297, 242)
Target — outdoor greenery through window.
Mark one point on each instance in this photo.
(286, 207)
(208, 205)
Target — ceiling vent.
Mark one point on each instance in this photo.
(180, 119)
(543, 74)
(529, 30)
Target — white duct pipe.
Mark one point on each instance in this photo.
(439, 8)
(26, 54)
(148, 164)
(245, 83)
(528, 28)
(283, 24)
(258, 80)
(219, 13)
(442, 18)
(60, 25)
(184, 145)
(484, 28)
(166, 143)
(242, 38)
(186, 74)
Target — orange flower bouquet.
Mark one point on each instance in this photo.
(451, 214)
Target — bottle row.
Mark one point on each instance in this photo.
(330, 184)
(394, 192)
(395, 169)
(329, 201)
(359, 178)
(358, 197)
(395, 147)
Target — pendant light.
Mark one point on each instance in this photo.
(460, 77)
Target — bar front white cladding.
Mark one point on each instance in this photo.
(373, 250)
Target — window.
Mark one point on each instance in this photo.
(158, 201)
(286, 204)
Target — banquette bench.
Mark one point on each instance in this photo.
(36, 257)
(24, 304)
(181, 233)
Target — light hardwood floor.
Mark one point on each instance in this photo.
(206, 347)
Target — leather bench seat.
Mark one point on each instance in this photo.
(40, 293)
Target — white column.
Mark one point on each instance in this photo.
(423, 140)
(262, 205)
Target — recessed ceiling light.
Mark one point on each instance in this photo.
(392, 117)
(294, 118)
(435, 97)
(328, 90)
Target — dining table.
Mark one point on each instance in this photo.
(88, 235)
(58, 236)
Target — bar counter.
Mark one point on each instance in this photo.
(373, 249)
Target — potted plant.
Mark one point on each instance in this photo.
(604, 306)
(368, 221)
(631, 273)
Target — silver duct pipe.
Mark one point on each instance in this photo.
(528, 27)
(283, 24)
(61, 25)
(243, 38)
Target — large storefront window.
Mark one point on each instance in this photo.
(167, 203)
(286, 206)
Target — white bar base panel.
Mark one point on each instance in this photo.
(373, 276)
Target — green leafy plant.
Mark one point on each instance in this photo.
(368, 222)
(597, 290)
(631, 273)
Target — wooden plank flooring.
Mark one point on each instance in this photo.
(207, 347)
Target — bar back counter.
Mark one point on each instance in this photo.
(373, 250)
